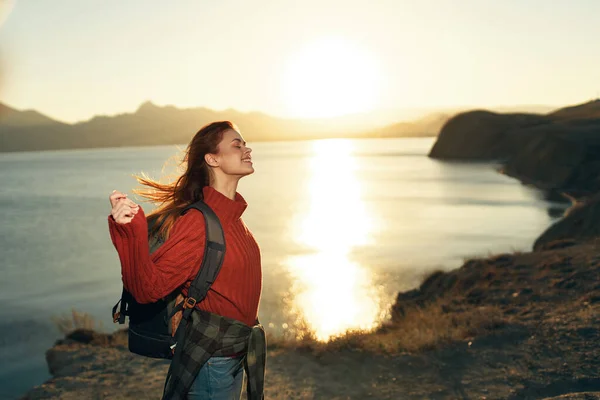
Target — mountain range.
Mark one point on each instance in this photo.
(150, 124)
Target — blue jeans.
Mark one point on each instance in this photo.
(219, 379)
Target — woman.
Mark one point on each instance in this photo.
(216, 159)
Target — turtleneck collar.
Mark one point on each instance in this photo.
(226, 209)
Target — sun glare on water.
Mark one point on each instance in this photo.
(332, 292)
(330, 77)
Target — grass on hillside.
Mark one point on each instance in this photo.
(419, 329)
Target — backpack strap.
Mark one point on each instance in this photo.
(214, 252)
(120, 316)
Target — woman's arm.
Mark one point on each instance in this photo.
(150, 278)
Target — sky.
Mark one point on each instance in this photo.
(73, 59)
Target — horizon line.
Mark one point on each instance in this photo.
(424, 109)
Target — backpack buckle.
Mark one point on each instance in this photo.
(189, 302)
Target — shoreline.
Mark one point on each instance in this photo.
(543, 344)
(530, 334)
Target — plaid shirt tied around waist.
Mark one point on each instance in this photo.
(208, 334)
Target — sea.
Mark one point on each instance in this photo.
(343, 226)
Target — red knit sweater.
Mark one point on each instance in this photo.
(236, 291)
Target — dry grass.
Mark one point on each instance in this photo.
(299, 338)
(419, 329)
(425, 328)
(491, 257)
(76, 320)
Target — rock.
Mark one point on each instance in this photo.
(98, 371)
(558, 156)
(555, 152)
(481, 135)
(580, 223)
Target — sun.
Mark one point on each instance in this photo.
(330, 77)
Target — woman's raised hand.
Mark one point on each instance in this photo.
(123, 209)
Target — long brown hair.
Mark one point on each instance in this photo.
(175, 196)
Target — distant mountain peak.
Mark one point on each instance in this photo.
(4, 109)
(147, 106)
(13, 117)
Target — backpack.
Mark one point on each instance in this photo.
(150, 331)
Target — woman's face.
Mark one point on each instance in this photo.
(234, 156)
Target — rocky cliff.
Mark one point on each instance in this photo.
(559, 151)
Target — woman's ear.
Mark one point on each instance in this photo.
(211, 160)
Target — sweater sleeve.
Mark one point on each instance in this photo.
(151, 277)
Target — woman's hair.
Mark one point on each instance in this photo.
(175, 196)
